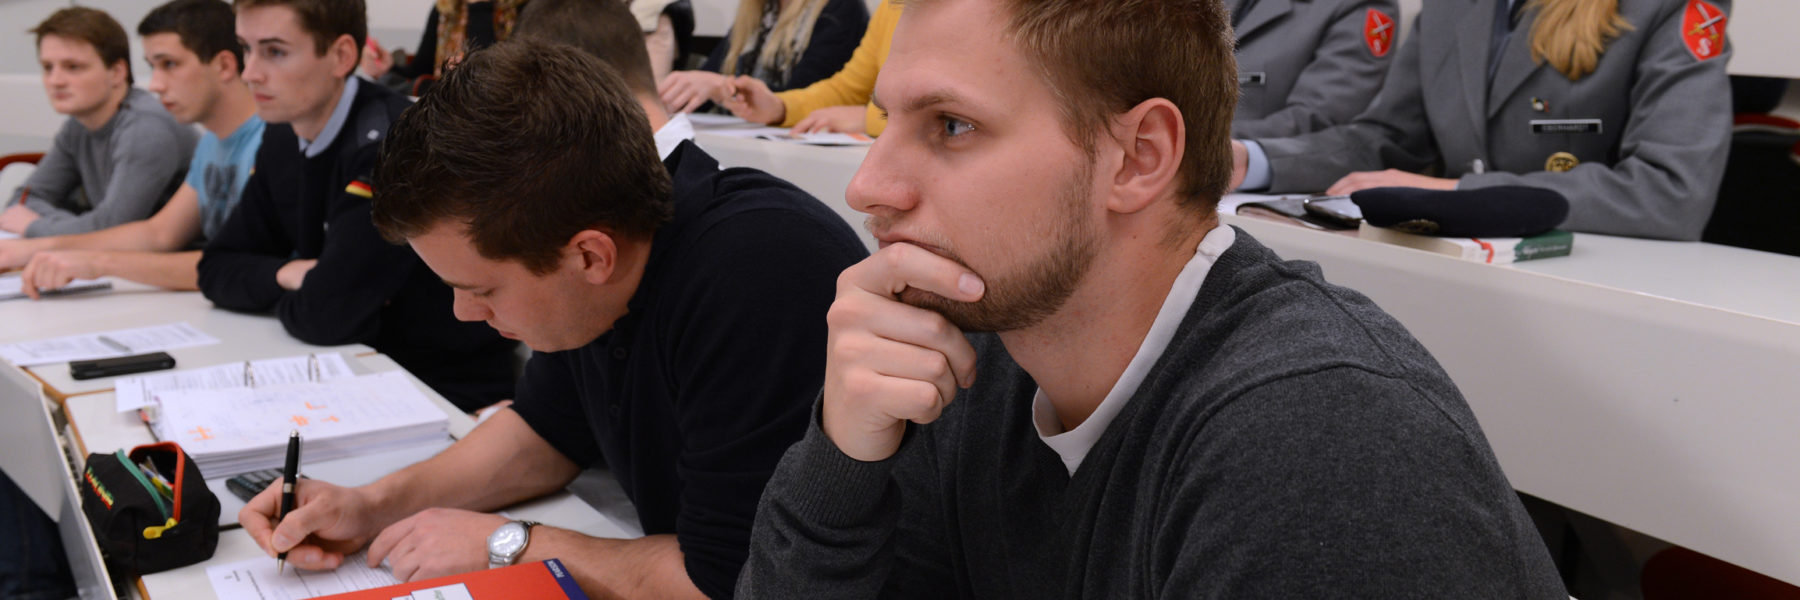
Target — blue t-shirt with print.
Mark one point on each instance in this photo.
(219, 171)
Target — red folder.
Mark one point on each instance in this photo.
(547, 580)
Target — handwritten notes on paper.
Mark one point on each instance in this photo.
(257, 579)
(238, 430)
(105, 344)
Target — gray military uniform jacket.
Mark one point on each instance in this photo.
(1650, 166)
(1305, 65)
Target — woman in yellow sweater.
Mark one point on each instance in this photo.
(838, 103)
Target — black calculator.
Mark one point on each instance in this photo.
(250, 484)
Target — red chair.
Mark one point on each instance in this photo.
(23, 157)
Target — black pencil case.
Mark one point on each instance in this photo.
(150, 509)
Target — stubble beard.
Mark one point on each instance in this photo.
(1037, 288)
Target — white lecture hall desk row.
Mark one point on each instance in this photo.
(40, 408)
(1653, 384)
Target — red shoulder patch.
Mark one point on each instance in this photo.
(1703, 29)
(1378, 32)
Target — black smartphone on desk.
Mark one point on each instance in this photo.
(1336, 210)
(124, 365)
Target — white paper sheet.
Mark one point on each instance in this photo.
(12, 287)
(105, 344)
(132, 393)
(256, 579)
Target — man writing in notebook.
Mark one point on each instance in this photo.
(1063, 377)
(677, 310)
(195, 66)
(300, 243)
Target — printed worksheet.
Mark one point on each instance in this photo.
(256, 579)
(132, 393)
(105, 344)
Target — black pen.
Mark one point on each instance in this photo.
(287, 488)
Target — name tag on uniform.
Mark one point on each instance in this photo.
(1565, 126)
(1252, 78)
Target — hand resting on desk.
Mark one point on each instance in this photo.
(435, 542)
(1362, 180)
(840, 119)
(54, 269)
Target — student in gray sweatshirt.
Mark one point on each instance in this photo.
(1062, 377)
(119, 156)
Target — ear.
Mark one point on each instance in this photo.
(1151, 138)
(121, 72)
(225, 64)
(344, 55)
(595, 253)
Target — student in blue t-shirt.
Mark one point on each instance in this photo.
(195, 64)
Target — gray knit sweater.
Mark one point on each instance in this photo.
(122, 172)
(1293, 441)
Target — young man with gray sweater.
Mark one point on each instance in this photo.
(1157, 405)
(119, 156)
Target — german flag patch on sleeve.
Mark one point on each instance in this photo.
(360, 188)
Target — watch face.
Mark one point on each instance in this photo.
(507, 540)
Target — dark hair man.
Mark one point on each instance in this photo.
(677, 310)
(1157, 405)
(301, 243)
(118, 157)
(196, 67)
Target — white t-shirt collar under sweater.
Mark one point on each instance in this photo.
(1073, 446)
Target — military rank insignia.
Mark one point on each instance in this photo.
(1378, 32)
(1703, 29)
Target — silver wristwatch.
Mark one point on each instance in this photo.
(507, 542)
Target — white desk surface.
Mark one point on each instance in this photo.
(1749, 282)
(242, 336)
(1653, 384)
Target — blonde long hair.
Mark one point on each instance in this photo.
(1571, 34)
(785, 42)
